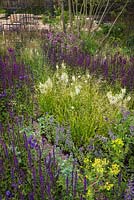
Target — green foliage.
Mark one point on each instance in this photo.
(66, 16)
(47, 127)
(130, 42)
(90, 45)
(117, 30)
(47, 19)
(108, 158)
(32, 55)
(2, 11)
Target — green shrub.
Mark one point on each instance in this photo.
(49, 20)
(117, 31)
(108, 163)
(130, 42)
(2, 11)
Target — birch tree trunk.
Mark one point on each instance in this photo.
(62, 16)
(70, 13)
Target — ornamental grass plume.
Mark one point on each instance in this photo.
(120, 99)
(46, 87)
(69, 99)
(64, 78)
(77, 89)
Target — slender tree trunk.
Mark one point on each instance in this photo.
(62, 16)
(70, 13)
(51, 4)
(103, 41)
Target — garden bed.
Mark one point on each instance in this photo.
(67, 118)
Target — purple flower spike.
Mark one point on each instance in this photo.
(85, 185)
(131, 130)
(8, 193)
(81, 198)
(31, 196)
(2, 95)
(67, 183)
(10, 50)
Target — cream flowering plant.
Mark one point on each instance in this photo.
(120, 99)
(45, 87)
(64, 90)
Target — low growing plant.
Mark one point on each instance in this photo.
(108, 161)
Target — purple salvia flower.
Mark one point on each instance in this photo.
(29, 157)
(32, 142)
(129, 194)
(54, 160)
(31, 196)
(124, 61)
(34, 179)
(67, 184)
(48, 159)
(81, 198)
(41, 175)
(2, 95)
(25, 141)
(105, 65)
(5, 148)
(21, 196)
(41, 184)
(16, 163)
(50, 175)
(49, 190)
(1, 166)
(43, 141)
(12, 174)
(131, 130)
(87, 61)
(85, 185)
(28, 149)
(10, 50)
(15, 186)
(8, 193)
(22, 176)
(75, 183)
(72, 181)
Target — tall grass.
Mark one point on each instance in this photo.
(78, 101)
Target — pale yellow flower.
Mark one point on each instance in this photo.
(108, 186)
(64, 77)
(118, 142)
(115, 169)
(99, 165)
(63, 65)
(73, 78)
(77, 89)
